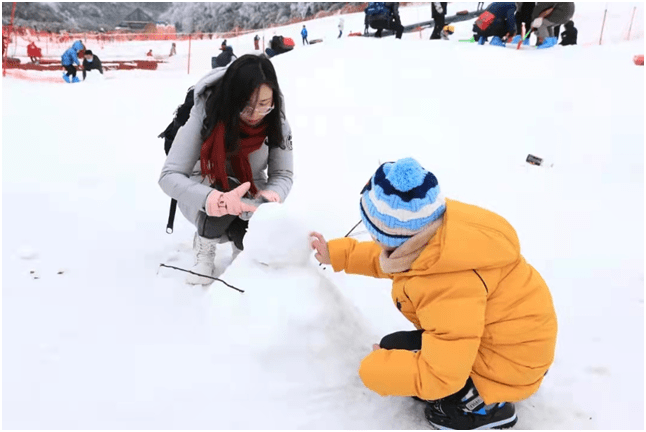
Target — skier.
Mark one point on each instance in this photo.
(173, 50)
(438, 11)
(545, 17)
(91, 62)
(341, 22)
(224, 58)
(256, 42)
(499, 21)
(485, 320)
(304, 35)
(237, 129)
(69, 58)
(382, 16)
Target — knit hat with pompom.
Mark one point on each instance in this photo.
(399, 201)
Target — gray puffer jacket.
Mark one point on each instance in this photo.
(181, 176)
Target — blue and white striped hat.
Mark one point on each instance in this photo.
(399, 201)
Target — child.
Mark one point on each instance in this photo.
(486, 325)
(69, 58)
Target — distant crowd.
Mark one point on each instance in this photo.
(500, 23)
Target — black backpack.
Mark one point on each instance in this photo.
(181, 117)
(378, 15)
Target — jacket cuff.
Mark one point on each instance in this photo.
(338, 255)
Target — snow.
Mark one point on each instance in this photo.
(98, 336)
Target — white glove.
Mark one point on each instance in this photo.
(537, 22)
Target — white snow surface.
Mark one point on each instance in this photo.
(97, 336)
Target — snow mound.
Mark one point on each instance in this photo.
(277, 236)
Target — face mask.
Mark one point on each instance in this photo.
(89, 60)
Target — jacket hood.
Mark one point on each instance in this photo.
(470, 238)
(78, 46)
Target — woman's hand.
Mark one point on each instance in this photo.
(229, 203)
(268, 195)
(320, 245)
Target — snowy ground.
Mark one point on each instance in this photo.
(99, 337)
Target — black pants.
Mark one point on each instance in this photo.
(215, 227)
(394, 25)
(71, 70)
(524, 15)
(439, 26)
(305, 42)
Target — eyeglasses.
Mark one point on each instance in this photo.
(249, 111)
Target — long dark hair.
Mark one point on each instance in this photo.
(231, 94)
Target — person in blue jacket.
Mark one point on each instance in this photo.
(69, 58)
(503, 26)
(304, 34)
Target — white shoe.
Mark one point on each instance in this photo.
(234, 251)
(204, 250)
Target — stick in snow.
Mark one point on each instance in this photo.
(198, 274)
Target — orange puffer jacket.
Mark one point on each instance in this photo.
(485, 312)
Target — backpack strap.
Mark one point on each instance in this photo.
(171, 216)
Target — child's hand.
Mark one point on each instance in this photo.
(375, 347)
(322, 251)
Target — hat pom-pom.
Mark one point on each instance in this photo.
(406, 174)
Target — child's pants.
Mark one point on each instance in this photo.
(71, 70)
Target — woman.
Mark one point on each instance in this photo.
(216, 167)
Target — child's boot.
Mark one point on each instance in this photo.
(466, 410)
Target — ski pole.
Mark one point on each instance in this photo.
(520, 42)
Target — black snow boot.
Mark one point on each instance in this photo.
(465, 410)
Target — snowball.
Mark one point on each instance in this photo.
(27, 253)
(277, 236)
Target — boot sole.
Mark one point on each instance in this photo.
(503, 424)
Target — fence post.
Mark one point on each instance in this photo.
(189, 54)
(603, 24)
(9, 32)
(631, 22)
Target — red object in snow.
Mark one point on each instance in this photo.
(355, 34)
(289, 42)
(639, 60)
(34, 51)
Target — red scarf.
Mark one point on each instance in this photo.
(213, 157)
